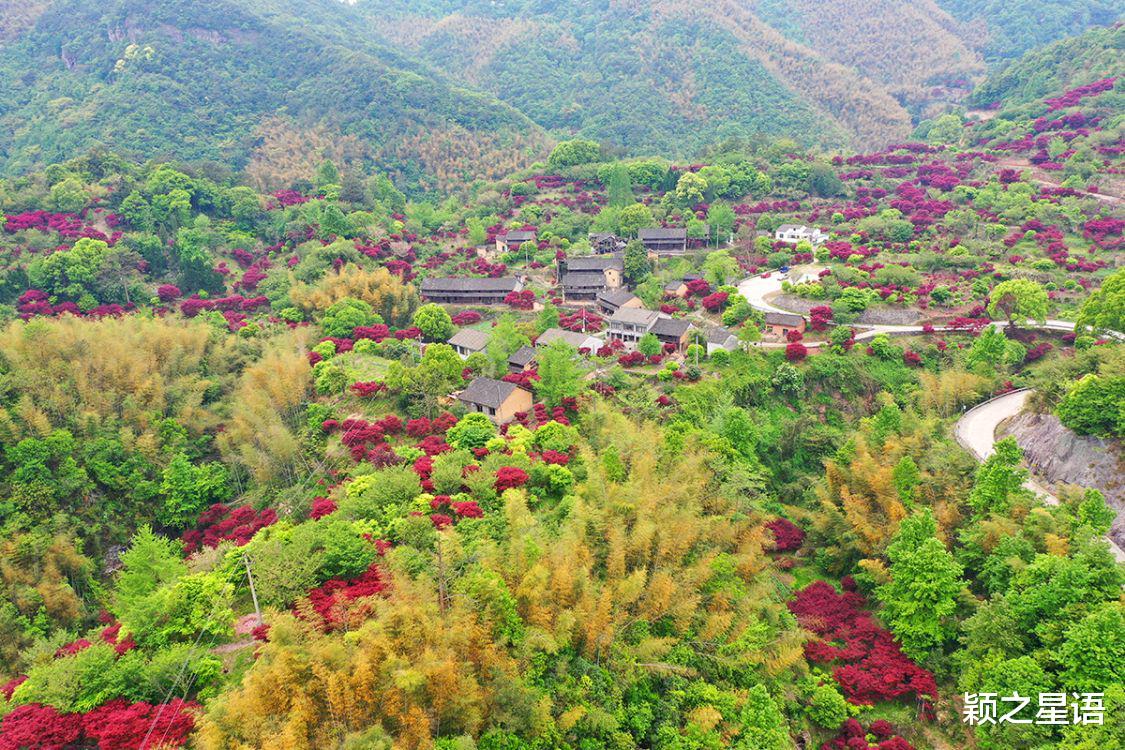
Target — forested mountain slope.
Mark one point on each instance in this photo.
(1071, 62)
(269, 85)
(671, 76)
(1008, 28)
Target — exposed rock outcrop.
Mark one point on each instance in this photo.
(1061, 456)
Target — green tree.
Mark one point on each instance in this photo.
(150, 562)
(473, 430)
(638, 267)
(189, 489)
(503, 341)
(548, 317)
(920, 601)
(573, 152)
(633, 218)
(72, 273)
(619, 186)
(342, 317)
(69, 195)
(434, 322)
(824, 182)
(560, 375)
(1094, 512)
(1018, 300)
(1093, 650)
(1104, 309)
(988, 350)
(1095, 405)
(763, 726)
(906, 478)
(998, 479)
(649, 345)
(722, 219)
(719, 268)
(946, 130)
(827, 707)
(690, 189)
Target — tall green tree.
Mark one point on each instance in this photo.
(560, 375)
(1104, 309)
(1018, 300)
(921, 599)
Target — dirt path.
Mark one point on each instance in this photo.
(1038, 178)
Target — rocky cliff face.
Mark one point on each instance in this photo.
(1060, 456)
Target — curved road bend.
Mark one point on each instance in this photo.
(976, 431)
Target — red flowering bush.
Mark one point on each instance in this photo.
(872, 666)
(116, 725)
(715, 302)
(787, 535)
(329, 600)
(168, 292)
(913, 359)
(222, 523)
(820, 317)
(794, 335)
(524, 300)
(852, 736)
(509, 477)
(795, 351)
(321, 507)
(466, 318)
(43, 727)
(119, 725)
(698, 288)
(417, 428)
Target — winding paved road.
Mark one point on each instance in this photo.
(759, 289)
(976, 431)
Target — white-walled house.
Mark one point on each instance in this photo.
(793, 233)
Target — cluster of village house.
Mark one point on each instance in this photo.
(596, 280)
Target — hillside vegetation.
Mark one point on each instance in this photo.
(671, 76)
(1008, 28)
(196, 81)
(1066, 64)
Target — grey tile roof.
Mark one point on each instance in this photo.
(522, 357)
(671, 327)
(719, 335)
(518, 235)
(662, 233)
(470, 284)
(594, 263)
(616, 297)
(487, 392)
(635, 316)
(583, 279)
(783, 319)
(577, 339)
(469, 338)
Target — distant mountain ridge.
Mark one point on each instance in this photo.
(196, 81)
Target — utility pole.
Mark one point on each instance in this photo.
(253, 593)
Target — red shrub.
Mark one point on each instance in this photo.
(119, 725)
(508, 477)
(795, 351)
(222, 523)
(873, 667)
(333, 595)
(41, 727)
(786, 534)
(321, 507)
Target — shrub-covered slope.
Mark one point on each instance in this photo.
(236, 81)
